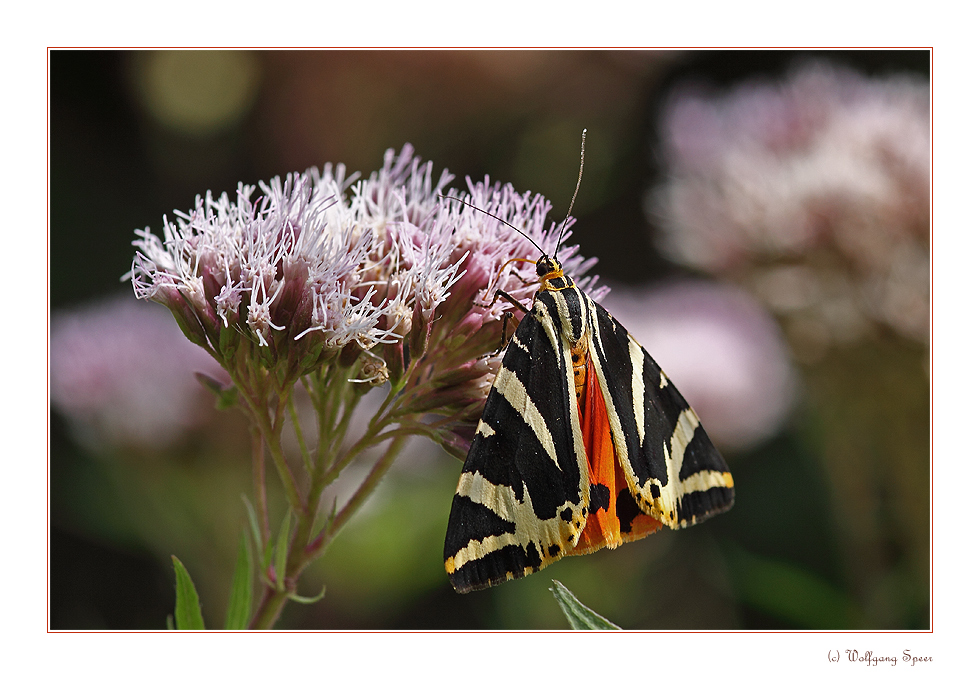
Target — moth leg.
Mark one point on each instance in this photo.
(508, 315)
(507, 296)
(510, 298)
(523, 280)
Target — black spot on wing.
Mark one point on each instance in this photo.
(598, 498)
(469, 520)
(533, 556)
(626, 510)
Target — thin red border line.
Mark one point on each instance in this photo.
(932, 352)
(504, 48)
(549, 631)
(47, 339)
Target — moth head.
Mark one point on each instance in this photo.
(548, 267)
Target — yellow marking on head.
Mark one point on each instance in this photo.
(553, 274)
(547, 285)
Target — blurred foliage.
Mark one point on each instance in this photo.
(831, 524)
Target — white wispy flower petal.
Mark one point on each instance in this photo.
(318, 262)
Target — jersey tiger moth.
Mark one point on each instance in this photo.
(584, 443)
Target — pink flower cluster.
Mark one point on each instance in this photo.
(814, 193)
(321, 270)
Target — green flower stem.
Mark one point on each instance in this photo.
(270, 606)
(272, 431)
(331, 429)
(294, 418)
(258, 479)
(303, 550)
(254, 389)
(367, 486)
(334, 402)
(396, 397)
(370, 438)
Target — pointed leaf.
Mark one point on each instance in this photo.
(240, 603)
(227, 396)
(253, 523)
(227, 399)
(188, 609)
(579, 616)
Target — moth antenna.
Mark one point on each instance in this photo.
(499, 219)
(581, 167)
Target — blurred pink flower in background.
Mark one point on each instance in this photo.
(122, 373)
(723, 351)
(813, 193)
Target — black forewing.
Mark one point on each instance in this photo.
(662, 406)
(509, 452)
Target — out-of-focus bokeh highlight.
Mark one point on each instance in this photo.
(125, 374)
(762, 219)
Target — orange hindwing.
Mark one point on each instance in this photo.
(613, 514)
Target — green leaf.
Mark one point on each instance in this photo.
(579, 616)
(253, 522)
(188, 609)
(266, 561)
(227, 399)
(227, 396)
(308, 600)
(282, 551)
(240, 603)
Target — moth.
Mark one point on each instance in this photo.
(584, 443)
